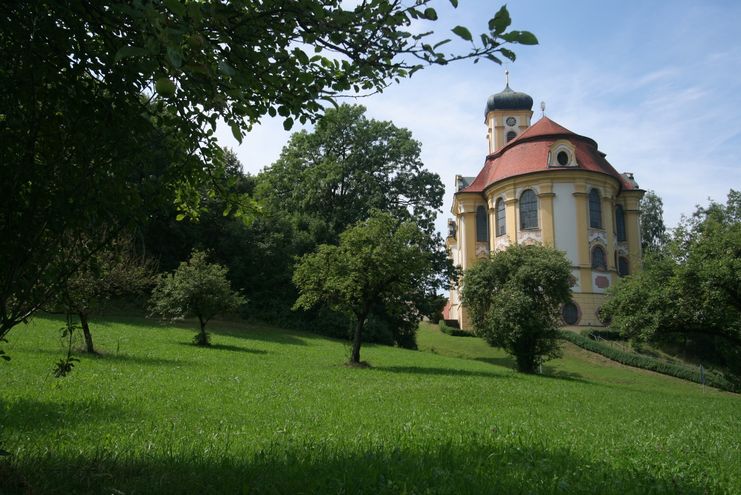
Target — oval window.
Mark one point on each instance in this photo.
(570, 313)
(563, 158)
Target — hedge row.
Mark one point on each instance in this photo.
(454, 332)
(712, 379)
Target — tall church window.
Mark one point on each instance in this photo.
(622, 266)
(501, 218)
(599, 261)
(511, 135)
(528, 210)
(482, 225)
(595, 209)
(620, 223)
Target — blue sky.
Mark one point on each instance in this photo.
(656, 83)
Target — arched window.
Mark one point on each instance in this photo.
(501, 218)
(620, 223)
(570, 313)
(622, 267)
(511, 135)
(599, 261)
(482, 225)
(595, 209)
(528, 210)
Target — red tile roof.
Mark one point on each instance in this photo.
(528, 153)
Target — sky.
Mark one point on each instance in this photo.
(656, 83)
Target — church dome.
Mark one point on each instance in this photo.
(508, 100)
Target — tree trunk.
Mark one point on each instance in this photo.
(204, 337)
(86, 332)
(357, 340)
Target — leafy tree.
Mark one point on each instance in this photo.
(514, 299)
(108, 106)
(692, 289)
(197, 288)
(334, 176)
(114, 271)
(378, 261)
(653, 231)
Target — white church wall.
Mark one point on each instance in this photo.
(564, 219)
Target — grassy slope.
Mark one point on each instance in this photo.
(272, 411)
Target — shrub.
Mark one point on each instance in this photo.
(712, 378)
(453, 332)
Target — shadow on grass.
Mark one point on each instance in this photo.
(479, 467)
(506, 362)
(551, 372)
(105, 355)
(422, 370)
(224, 347)
(29, 414)
(238, 329)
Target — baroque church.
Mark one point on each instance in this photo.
(542, 183)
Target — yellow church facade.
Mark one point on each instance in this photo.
(542, 183)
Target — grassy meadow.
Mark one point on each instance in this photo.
(267, 410)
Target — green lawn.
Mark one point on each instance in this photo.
(272, 411)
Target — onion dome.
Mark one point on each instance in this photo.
(508, 100)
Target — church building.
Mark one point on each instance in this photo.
(542, 183)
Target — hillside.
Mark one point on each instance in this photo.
(272, 411)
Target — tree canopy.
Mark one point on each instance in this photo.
(333, 177)
(653, 231)
(514, 300)
(108, 107)
(691, 288)
(378, 261)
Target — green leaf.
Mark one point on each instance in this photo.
(501, 21)
(180, 217)
(130, 51)
(463, 32)
(521, 37)
(175, 7)
(174, 57)
(454, 3)
(301, 56)
(227, 69)
(508, 53)
(236, 132)
(430, 14)
(288, 123)
(441, 43)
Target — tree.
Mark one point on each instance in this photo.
(114, 271)
(514, 299)
(108, 106)
(336, 175)
(653, 231)
(692, 288)
(197, 288)
(379, 261)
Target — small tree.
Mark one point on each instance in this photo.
(379, 261)
(113, 271)
(514, 300)
(197, 288)
(653, 231)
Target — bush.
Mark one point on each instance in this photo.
(603, 333)
(712, 378)
(453, 332)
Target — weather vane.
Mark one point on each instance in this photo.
(542, 108)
